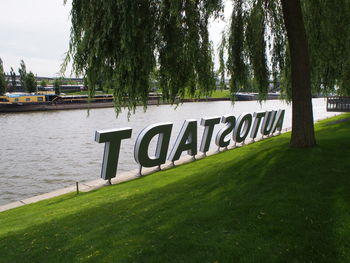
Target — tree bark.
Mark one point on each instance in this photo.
(303, 134)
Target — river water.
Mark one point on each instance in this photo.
(45, 151)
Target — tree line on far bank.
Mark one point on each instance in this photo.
(27, 80)
(9, 82)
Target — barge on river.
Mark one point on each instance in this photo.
(21, 102)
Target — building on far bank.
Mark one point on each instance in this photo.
(68, 84)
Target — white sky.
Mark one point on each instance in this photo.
(37, 31)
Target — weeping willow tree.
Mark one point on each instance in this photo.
(123, 42)
(328, 31)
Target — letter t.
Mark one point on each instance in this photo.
(113, 139)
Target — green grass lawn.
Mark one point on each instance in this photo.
(261, 203)
(221, 94)
(215, 94)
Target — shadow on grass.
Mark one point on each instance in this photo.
(274, 205)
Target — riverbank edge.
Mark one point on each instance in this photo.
(85, 106)
(124, 177)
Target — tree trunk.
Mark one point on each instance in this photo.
(303, 134)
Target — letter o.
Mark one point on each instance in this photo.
(244, 124)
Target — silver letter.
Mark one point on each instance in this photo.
(144, 139)
(278, 121)
(244, 123)
(112, 138)
(266, 127)
(230, 121)
(209, 124)
(185, 141)
(258, 116)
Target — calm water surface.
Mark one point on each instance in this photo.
(44, 151)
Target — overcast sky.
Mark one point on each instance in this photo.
(37, 31)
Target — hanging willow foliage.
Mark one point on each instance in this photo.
(256, 46)
(120, 43)
(327, 24)
(237, 61)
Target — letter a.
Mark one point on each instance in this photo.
(185, 141)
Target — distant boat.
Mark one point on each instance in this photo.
(244, 96)
(41, 102)
(273, 95)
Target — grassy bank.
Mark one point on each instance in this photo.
(259, 203)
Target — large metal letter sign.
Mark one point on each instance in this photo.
(258, 116)
(112, 138)
(244, 123)
(266, 122)
(266, 127)
(230, 121)
(279, 121)
(185, 141)
(209, 124)
(143, 140)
